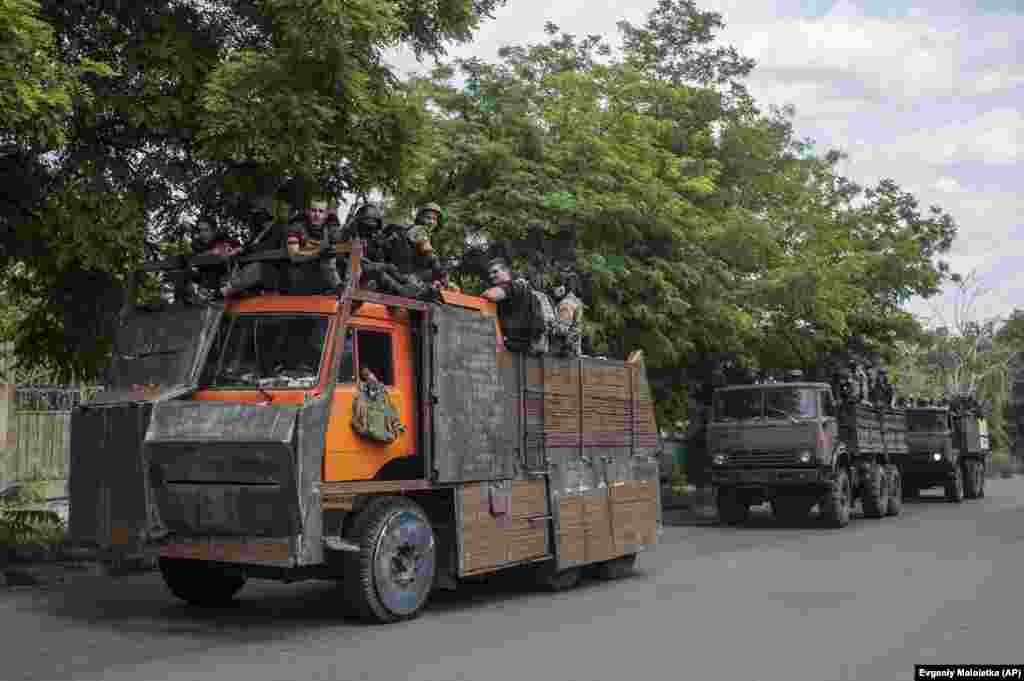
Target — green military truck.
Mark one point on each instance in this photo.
(947, 448)
(791, 444)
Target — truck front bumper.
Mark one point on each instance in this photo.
(768, 477)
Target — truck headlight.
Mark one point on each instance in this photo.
(719, 459)
(805, 456)
(936, 456)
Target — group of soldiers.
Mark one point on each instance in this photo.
(959, 405)
(399, 260)
(857, 385)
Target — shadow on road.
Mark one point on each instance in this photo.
(761, 518)
(265, 610)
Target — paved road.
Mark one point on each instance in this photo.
(941, 584)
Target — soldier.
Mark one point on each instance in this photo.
(566, 336)
(309, 249)
(266, 236)
(411, 250)
(211, 241)
(519, 309)
(379, 272)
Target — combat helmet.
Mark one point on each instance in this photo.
(368, 220)
(427, 208)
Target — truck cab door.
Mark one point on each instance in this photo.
(386, 352)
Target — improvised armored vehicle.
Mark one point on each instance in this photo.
(792, 445)
(226, 440)
(945, 449)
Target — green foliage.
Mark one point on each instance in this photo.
(20, 524)
(213, 101)
(678, 481)
(707, 233)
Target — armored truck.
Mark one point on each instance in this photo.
(792, 445)
(947, 449)
(227, 442)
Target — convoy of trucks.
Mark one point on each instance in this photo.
(947, 448)
(225, 438)
(794, 445)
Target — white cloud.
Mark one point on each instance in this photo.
(932, 99)
(994, 137)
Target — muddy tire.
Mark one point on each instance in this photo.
(199, 583)
(972, 479)
(955, 486)
(616, 568)
(731, 511)
(835, 505)
(875, 497)
(392, 575)
(895, 506)
(558, 580)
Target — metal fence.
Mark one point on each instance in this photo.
(38, 430)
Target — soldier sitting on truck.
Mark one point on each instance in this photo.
(520, 309)
(566, 334)
(411, 251)
(379, 273)
(308, 243)
(211, 241)
(266, 236)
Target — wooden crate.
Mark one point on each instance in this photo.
(572, 531)
(599, 540)
(489, 540)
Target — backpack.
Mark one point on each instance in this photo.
(542, 320)
(373, 415)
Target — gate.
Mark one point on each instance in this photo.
(38, 427)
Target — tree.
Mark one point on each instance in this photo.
(214, 100)
(965, 355)
(710, 236)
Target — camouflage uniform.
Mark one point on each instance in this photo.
(566, 336)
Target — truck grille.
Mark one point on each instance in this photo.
(757, 459)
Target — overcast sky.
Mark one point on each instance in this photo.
(928, 93)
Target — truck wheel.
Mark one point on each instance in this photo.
(955, 486)
(558, 580)
(391, 576)
(981, 480)
(895, 491)
(617, 568)
(200, 583)
(731, 510)
(835, 506)
(876, 492)
(910, 491)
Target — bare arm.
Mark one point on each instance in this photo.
(495, 294)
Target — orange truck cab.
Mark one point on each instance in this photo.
(225, 443)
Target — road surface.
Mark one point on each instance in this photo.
(941, 584)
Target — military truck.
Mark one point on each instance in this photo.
(225, 441)
(946, 448)
(791, 444)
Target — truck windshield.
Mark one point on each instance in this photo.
(781, 402)
(266, 351)
(927, 421)
(799, 403)
(738, 405)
